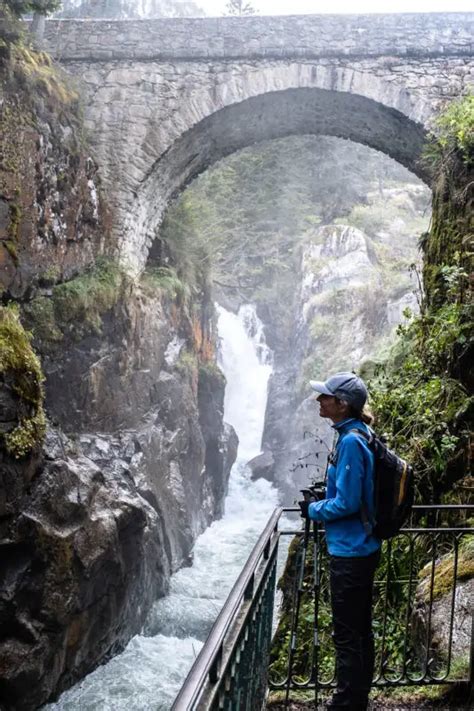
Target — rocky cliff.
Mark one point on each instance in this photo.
(136, 459)
(94, 524)
(53, 221)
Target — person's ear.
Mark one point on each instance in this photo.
(343, 406)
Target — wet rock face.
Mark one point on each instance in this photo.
(220, 443)
(91, 531)
(137, 462)
(53, 222)
(82, 562)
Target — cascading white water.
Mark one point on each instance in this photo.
(149, 673)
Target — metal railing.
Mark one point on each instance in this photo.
(231, 670)
(422, 622)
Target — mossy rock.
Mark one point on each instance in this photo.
(163, 279)
(21, 376)
(444, 571)
(76, 308)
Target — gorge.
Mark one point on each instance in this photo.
(118, 479)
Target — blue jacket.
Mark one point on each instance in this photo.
(350, 481)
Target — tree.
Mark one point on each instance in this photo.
(10, 10)
(240, 7)
(25, 7)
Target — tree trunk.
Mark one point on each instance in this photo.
(37, 27)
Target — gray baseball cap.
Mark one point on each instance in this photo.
(345, 386)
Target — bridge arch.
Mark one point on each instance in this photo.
(167, 97)
(250, 106)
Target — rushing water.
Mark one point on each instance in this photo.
(149, 673)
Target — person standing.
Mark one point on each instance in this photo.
(354, 551)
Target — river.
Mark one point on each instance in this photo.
(148, 674)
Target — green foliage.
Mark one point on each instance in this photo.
(424, 409)
(81, 302)
(422, 394)
(24, 68)
(21, 370)
(244, 222)
(421, 397)
(454, 132)
(305, 628)
(35, 71)
(210, 371)
(76, 307)
(440, 696)
(186, 238)
(400, 579)
(188, 365)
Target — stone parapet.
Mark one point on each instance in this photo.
(303, 36)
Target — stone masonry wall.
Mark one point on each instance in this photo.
(434, 34)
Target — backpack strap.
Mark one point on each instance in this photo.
(369, 437)
(364, 511)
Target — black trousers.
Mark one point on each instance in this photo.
(351, 581)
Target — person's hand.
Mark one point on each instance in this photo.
(304, 506)
(318, 493)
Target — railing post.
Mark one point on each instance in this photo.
(471, 655)
(215, 668)
(249, 589)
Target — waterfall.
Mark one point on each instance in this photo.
(149, 673)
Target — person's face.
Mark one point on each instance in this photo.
(332, 408)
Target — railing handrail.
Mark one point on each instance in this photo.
(419, 507)
(443, 507)
(209, 653)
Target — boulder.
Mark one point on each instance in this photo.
(262, 466)
(81, 566)
(442, 612)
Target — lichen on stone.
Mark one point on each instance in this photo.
(20, 371)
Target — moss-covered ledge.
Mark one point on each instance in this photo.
(74, 309)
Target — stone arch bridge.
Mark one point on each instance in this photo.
(166, 98)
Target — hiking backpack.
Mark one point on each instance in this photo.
(393, 489)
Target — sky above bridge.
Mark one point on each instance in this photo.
(292, 7)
